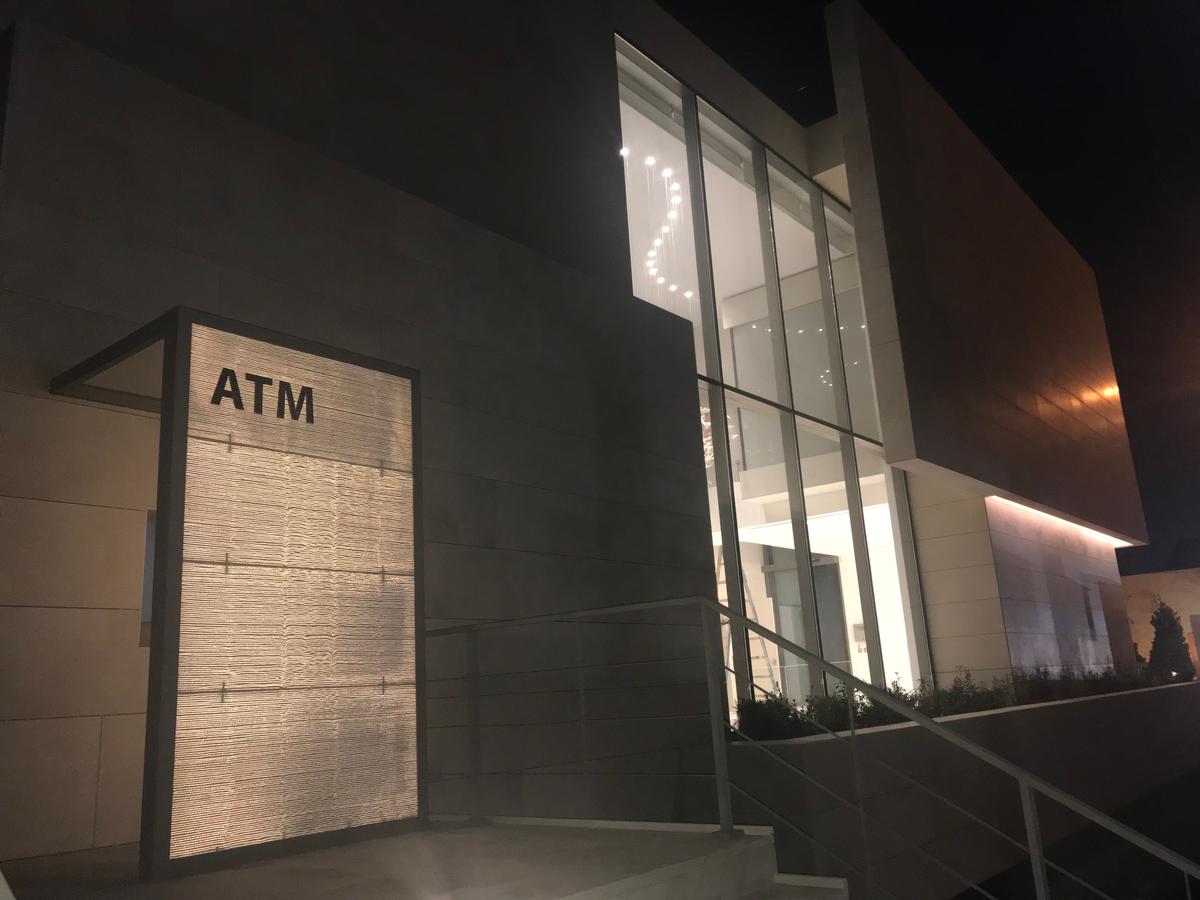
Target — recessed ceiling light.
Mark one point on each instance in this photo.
(652, 253)
(624, 152)
(674, 287)
(674, 185)
(660, 279)
(672, 215)
(658, 242)
(666, 229)
(650, 160)
(687, 294)
(652, 270)
(668, 172)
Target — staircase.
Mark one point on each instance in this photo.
(893, 829)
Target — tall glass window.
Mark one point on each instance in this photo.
(662, 248)
(748, 347)
(806, 538)
(860, 379)
(807, 326)
(827, 510)
(878, 487)
(766, 542)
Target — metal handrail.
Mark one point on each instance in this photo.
(920, 785)
(1028, 782)
(997, 761)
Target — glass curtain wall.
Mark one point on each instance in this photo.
(806, 538)
(661, 231)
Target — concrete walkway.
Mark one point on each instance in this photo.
(496, 862)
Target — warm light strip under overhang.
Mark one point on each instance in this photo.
(1090, 532)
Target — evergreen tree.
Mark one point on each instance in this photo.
(1169, 656)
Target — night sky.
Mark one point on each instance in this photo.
(1094, 108)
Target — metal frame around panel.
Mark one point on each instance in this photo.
(174, 328)
(73, 382)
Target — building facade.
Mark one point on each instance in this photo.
(671, 343)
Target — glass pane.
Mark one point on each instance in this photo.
(887, 564)
(770, 576)
(710, 467)
(807, 331)
(714, 514)
(747, 350)
(831, 543)
(860, 380)
(661, 244)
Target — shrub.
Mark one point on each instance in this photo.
(1041, 685)
(1170, 659)
(964, 695)
(775, 717)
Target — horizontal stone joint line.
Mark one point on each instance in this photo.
(571, 690)
(571, 668)
(702, 517)
(581, 556)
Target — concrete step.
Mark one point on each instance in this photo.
(803, 887)
(728, 868)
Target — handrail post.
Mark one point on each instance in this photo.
(1033, 836)
(475, 746)
(713, 669)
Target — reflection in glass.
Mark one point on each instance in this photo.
(710, 468)
(805, 324)
(710, 398)
(760, 496)
(831, 543)
(809, 594)
(860, 380)
(747, 345)
(658, 203)
(780, 591)
(884, 548)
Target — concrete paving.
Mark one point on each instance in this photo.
(460, 862)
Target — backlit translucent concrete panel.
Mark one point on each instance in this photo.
(296, 696)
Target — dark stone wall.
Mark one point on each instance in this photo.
(562, 460)
(502, 112)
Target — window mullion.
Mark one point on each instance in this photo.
(718, 419)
